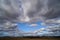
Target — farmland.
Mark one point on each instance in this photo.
(29, 38)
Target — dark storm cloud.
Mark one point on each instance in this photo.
(38, 9)
(9, 12)
(45, 9)
(33, 10)
(54, 9)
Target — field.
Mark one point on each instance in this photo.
(30, 38)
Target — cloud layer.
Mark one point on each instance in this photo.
(43, 10)
(13, 11)
(30, 11)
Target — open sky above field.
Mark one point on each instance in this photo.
(30, 27)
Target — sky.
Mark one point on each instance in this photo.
(30, 27)
(13, 11)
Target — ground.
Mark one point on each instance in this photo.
(30, 38)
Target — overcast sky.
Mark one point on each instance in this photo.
(32, 16)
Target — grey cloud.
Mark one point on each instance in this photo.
(43, 10)
(54, 29)
(9, 12)
(37, 8)
(47, 11)
(48, 31)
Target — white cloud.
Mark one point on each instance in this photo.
(39, 30)
(43, 24)
(33, 25)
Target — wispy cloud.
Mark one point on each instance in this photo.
(33, 25)
(47, 11)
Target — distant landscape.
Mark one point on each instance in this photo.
(29, 38)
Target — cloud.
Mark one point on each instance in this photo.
(40, 10)
(39, 30)
(9, 13)
(47, 11)
(33, 25)
(31, 11)
(53, 28)
(48, 31)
